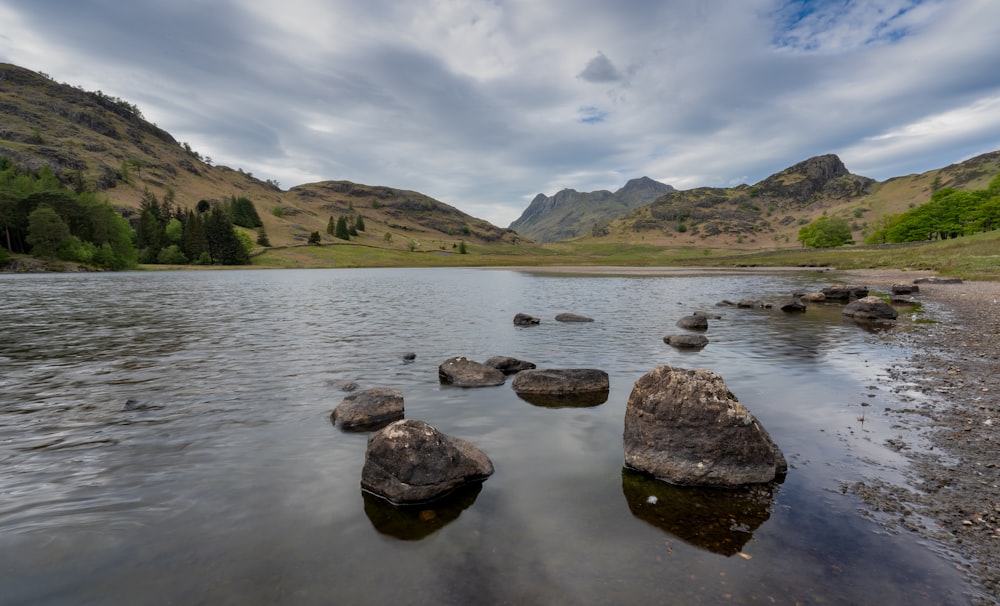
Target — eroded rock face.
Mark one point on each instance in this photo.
(685, 427)
(870, 308)
(409, 462)
(508, 365)
(525, 320)
(561, 381)
(463, 372)
(369, 409)
(693, 322)
(688, 341)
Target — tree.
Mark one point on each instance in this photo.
(461, 248)
(341, 231)
(359, 223)
(826, 232)
(223, 244)
(46, 231)
(331, 226)
(314, 238)
(243, 213)
(262, 239)
(174, 231)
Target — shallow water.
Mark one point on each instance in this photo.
(224, 482)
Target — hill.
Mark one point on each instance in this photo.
(570, 213)
(95, 142)
(770, 213)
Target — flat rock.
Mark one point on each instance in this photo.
(568, 317)
(368, 409)
(937, 280)
(508, 365)
(463, 372)
(410, 462)
(686, 427)
(561, 381)
(686, 341)
(837, 292)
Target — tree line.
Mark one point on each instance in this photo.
(41, 217)
(206, 235)
(950, 213)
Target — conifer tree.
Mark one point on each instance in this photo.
(342, 231)
(331, 226)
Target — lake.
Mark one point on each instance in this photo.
(224, 481)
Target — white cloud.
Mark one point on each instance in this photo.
(483, 104)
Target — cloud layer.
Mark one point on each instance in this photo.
(484, 103)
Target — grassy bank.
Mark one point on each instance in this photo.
(972, 257)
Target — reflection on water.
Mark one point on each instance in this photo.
(583, 399)
(415, 522)
(165, 438)
(717, 519)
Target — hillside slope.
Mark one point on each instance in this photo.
(770, 213)
(95, 142)
(570, 213)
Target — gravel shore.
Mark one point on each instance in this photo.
(950, 388)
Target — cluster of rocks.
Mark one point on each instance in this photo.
(681, 426)
(859, 305)
(523, 319)
(697, 323)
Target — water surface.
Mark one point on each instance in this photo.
(224, 482)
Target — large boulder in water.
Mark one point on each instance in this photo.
(870, 309)
(685, 427)
(369, 409)
(409, 462)
(463, 372)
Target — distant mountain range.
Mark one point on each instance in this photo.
(570, 213)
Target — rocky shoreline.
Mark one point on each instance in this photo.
(949, 391)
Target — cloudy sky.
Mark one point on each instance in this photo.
(484, 103)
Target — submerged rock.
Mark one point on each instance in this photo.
(463, 372)
(409, 462)
(369, 409)
(904, 289)
(870, 308)
(937, 280)
(508, 365)
(685, 427)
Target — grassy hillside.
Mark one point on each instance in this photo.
(97, 143)
(769, 214)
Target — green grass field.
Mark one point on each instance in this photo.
(972, 257)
